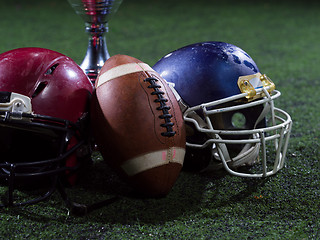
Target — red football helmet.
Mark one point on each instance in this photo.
(44, 99)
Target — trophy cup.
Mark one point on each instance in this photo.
(96, 14)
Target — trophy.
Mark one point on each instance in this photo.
(96, 14)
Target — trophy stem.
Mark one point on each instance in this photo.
(96, 15)
(97, 51)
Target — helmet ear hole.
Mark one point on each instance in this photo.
(39, 88)
(238, 120)
(51, 69)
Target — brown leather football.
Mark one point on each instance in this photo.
(138, 125)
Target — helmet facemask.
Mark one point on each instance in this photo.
(36, 149)
(238, 130)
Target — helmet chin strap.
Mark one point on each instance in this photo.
(247, 156)
(250, 152)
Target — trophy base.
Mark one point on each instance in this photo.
(92, 74)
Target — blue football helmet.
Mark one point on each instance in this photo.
(228, 108)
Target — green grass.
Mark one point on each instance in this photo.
(282, 37)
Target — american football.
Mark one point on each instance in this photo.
(138, 125)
